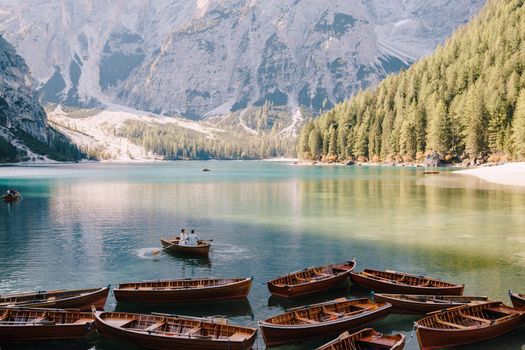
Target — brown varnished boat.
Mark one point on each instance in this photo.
(403, 283)
(518, 300)
(467, 324)
(172, 246)
(11, 196)
(173, 332)
(202, 289)
(366, 339)
(423, 304)
(310, 280)
(321, 320)
(81, 299)
(18, 324)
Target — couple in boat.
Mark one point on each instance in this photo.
(190, 240)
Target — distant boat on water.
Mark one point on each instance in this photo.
(11, 196)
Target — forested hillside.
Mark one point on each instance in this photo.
(465, 101)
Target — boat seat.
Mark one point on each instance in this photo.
(453, 325)
(83, 320)
(38, 319)
(306, 320)
(331, 313)
(237, 336)
(154, 326)
(323, 275)
(474, 318)
(115, 322)
(192, 331)
(502, 310)
(358, 311)
(375, 342)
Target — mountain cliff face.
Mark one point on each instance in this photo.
(20, 113)
(209, 57)
(24, 131)
(19, 108)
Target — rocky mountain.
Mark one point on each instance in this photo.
(19, 108)
(24, 131)
(212, 57)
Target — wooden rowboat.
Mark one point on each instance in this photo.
(203, 289)
(11, 196)
(81, 299)
(404, 283)
(310, 280)
(423, 304)
(320, 320)
(467, 324)
(172, 246)
(518, 300)
(173, 332)
(44, 324)
(366, 339)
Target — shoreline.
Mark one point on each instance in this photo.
(510, 174)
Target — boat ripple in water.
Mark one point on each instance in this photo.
(226, 251)
(148, 253)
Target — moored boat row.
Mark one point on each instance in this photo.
(44, 324)
(173, 332)
(423, 304)
(189, 289)
(453, 319)
(310, 280)
(324, 319)
(467, 324)
(82, 299)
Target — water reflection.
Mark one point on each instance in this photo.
(189, 260)
(94, 224)
(228, 309)
(83, 344)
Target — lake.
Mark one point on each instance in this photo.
(89, 225)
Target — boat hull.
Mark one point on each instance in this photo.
(152, 341)
(517, 300)
(81, 302)
(306, 289)
(438, 339)
(385, 287)
(44, 332)
(201, 250)
(30, 324)
(275, 335)
(372, 338)
(402, 306)
(227, 292)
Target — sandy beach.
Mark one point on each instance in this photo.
(508, 174)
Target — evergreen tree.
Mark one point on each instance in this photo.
(518, 128)
(438, 137)
(315, 143)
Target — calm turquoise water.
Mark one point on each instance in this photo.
(96, 224)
